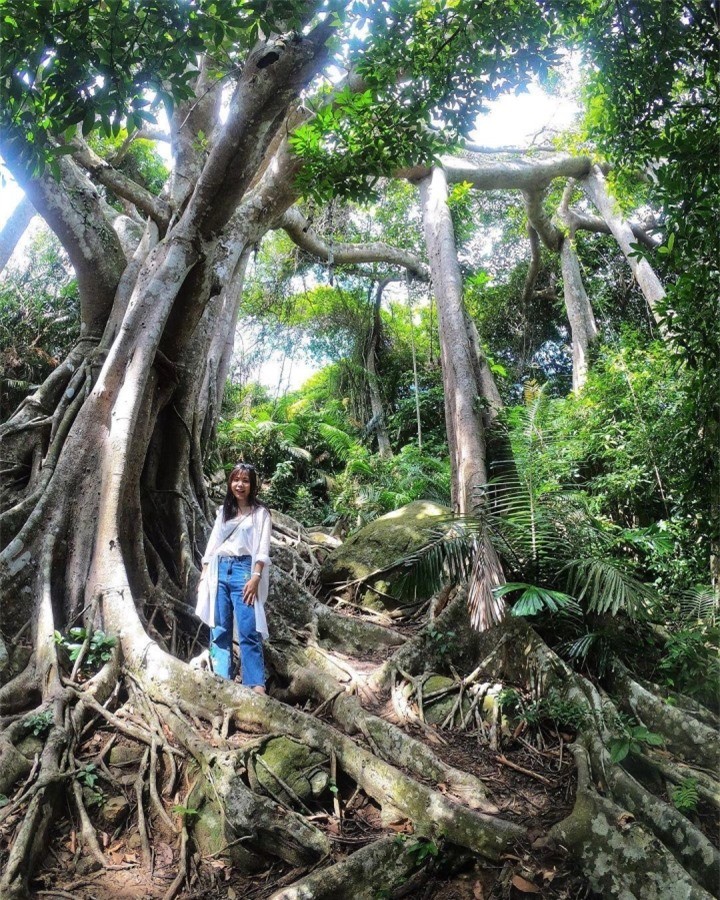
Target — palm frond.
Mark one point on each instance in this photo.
(359, 466)
(446, 557)
(534, 599)
(300, 453)
(341, 443)
(606, 587)
(700, 604)
(485, 607)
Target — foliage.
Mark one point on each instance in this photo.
(137, 159)
(405, 67)
(534, 599)
(668, 127)
(442, 641)
(372, 485)
(551, 707)
(88, 776)
(690, 663)
(631, 740)
(99, 647)
(685, 795)
(39, 319)
(186, 812)
(102, 64)
(39, 723)
(422, 850)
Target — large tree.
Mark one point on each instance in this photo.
(105, 505)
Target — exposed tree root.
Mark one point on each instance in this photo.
(620, 826)
(361, 876)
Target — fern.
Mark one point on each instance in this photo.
(340, 442)
(685, 796)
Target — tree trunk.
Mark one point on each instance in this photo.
(376, 404)
(14, 228)
(579, 312)
(461, 381)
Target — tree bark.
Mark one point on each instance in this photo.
(466, 435)
(376, 404)
(595, 186)
(14, 228)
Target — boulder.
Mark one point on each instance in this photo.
(378, 545)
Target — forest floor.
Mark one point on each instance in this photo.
(530, 777)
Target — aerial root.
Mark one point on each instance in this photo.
(684, 734)
(141, 817)
(21, 691)
(427, 809)
(677, 773)
(182, 874)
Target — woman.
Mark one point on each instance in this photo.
(234, 580)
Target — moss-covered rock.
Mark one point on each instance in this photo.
(438, 708)
(379, 545)
(299, 767)
(214, 838)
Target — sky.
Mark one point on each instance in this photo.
(512, 120)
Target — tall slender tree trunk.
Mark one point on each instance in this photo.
(376, 403)
(583, 327)
(463, 392)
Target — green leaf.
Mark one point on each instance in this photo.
(619, 749)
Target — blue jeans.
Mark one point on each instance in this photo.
(233, 573)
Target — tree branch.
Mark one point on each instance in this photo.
(14, 229)
(299, 231)
(101, 170)
(534, 267)
(274, 75)
(550, 235)
(73, 208)
(595, 187)
(521, 174)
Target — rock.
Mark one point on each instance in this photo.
(289, 524)
(114, 812)
(297, 765)
(87, 864)
(212, 839)
(30, 746)
(125, 754)
(321, 539)
(379, 544)
(437, 710)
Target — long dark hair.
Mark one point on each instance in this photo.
(230, 507)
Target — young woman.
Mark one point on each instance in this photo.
(234, 581)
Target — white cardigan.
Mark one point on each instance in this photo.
(259, 551)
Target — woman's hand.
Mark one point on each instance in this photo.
(251, 589)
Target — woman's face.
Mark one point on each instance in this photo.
(240, 487)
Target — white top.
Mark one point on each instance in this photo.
(240, 536)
